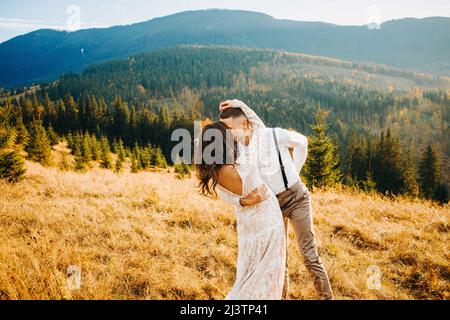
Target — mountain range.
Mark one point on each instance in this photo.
(42, 55)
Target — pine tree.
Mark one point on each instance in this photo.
(146, 155)
(52, 136)
(347, 165)
(321, 169)
(38, 109)
(118, 167)
(70, 141)
(78, 142)
(93, 117)
(164, 116)
(80, 163)
(410, 186)
(7, 137)
(64, 165)
(136, 164)
(356, 162)
(61, 123)
(441, 194)
(106, 159)
(7, 133)
(86, 147)
(11, 166)
(388, 166)
(38, 146)
(182, 169)
(158, 159)
(369, 185)
(22, 134)
(429, 177)
(359, 163)
(71, 113)
(121, 116)
(50, 110)
(119, 149)
(96, 150)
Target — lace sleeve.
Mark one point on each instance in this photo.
(228, 196)
(251, 115)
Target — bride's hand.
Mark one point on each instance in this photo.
(225, 105)
(258, 195)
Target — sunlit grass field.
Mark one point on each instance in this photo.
(150, 235)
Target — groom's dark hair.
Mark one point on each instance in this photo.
(232, 113)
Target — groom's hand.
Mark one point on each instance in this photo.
(258, 195)
(225, 105)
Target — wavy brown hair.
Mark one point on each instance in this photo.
(208, 174)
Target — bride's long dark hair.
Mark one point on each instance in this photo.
(208, 174)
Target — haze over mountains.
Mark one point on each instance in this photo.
(421, 44)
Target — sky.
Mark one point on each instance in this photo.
(22, 16)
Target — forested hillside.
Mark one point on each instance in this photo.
(419, 44)
(389, 127)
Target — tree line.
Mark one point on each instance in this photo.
(371, 163)
(135, 104)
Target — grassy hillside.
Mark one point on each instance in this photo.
(152, 236)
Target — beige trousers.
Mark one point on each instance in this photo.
(295, 203)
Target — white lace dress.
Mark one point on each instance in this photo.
(261, 243)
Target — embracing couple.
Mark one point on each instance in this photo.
(257, 173)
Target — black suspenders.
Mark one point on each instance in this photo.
(280, 160)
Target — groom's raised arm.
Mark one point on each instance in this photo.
(251, 115)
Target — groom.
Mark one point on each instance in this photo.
(280, 172)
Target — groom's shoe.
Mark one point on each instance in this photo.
(323, 288)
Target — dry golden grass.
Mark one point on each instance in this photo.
(152, 236)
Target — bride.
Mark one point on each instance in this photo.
(260, 226)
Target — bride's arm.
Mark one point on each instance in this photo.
(228, 197)
(231, 183)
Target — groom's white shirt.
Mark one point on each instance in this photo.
(262, 149)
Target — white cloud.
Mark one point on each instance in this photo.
(120, 8)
